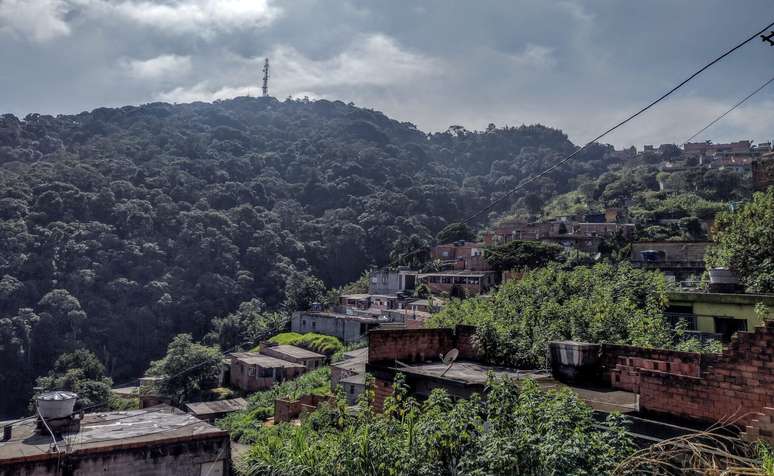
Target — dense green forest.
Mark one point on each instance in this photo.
(121, 228)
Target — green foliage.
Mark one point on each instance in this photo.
(81, 372)
(603, 303)
(187, 368)
(319, 343)
(245, 426)
(744, 242)
(519, 254)
(250, 323)
(515, 430)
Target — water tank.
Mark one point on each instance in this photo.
(722, 276)
(56, 404)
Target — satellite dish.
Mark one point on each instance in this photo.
(450, 356)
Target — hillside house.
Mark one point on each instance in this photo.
(461, 255)
(307, 358)
(252, 371)
(679, 259)
(459, 283)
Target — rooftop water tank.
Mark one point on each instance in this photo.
(56, 404)
(722, 276)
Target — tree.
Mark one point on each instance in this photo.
(186, 369)
(81, 372)
(519, 254)
(455, 232)
(248, 325)
(301, 291)
(744, 242)
(603, 303)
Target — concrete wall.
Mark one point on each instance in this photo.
(206, 455)
(348, 330)
(707, 306)
(310, 363)
(384, 281)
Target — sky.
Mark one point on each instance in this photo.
(577, 66)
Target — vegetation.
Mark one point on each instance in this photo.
(516, 430)
(519, 254)
(186, 369)
(121, 228)
(745, 242)
(319, 343)
(80, 372)
(246, 426)
(603, 303)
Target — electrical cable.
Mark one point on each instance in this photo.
(616, 126)
(712, 123)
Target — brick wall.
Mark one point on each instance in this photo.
(286, 409)
(417, 345)
(382, 390)
(739, 382)
(622, 364)
(408, 345)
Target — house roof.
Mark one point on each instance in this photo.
(464, 273)
(295, 352)
(219, 406)
(105, 432)
(357, 379)
(261, 360)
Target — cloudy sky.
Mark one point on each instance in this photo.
(575, 65)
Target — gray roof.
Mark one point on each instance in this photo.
(219, 406)
(261, 360)
(109, 431)
(296, 352)
(357, 379)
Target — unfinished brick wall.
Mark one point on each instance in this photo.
(622, 364)
(418, 345)
(739, 382)
(408, 345)
(286, 409)
(382, 390)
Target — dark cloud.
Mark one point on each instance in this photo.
(575, 65)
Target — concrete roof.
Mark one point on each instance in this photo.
(105, 432)
(720, 298)
(357, 379)
(470, 373)
(254, 358)
(458, 273)
(219, 406)
(296, 352)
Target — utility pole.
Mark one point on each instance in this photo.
(265, 87)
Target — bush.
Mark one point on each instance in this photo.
(319, 343)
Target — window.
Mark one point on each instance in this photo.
(250, 371)
(314, 325)
(351, 389)
(303, 323)
(728, 326)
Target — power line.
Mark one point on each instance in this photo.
(732, 108)
(608, 131)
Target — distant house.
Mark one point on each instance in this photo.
(390, 281)
(349, 328)
(459, 282)
(569, 234)
(678, 259)
(215, 410)
(763, 172)
(307, 358)
(251, 371)
(350, 374)
(462, 255)
(718, 313)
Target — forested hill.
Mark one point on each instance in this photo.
(120, 228)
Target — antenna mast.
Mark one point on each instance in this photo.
(265, 87)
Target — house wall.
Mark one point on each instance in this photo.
(384, 282)
(209, 454)
(708, 306)
(310, 363)
(739, 382)
(621, 364)
(347, 330)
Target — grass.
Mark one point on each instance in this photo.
(322, 344)
(245, 425)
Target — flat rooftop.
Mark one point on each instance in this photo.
(473, 373)
(219, 406)
(296, 352)
(475, 274)
(254, 358)
(720, 298)
(336, 315)
(104, 432)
